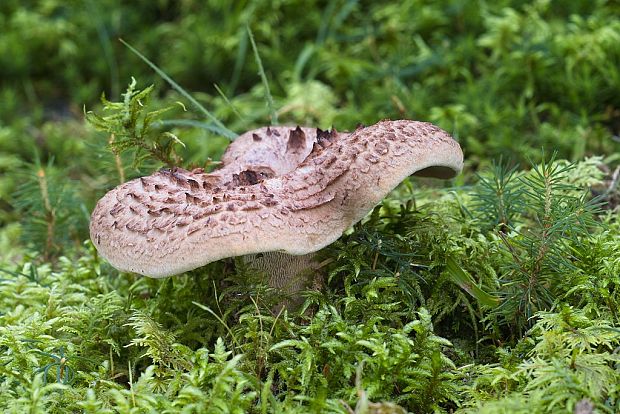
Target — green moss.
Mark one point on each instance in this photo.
(496, 292)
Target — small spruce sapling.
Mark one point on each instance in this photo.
(556, 217)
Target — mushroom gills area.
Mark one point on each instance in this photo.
(437, 171)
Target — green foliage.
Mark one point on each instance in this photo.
(375, 338)
(499, 198)
(506, 77)
(130, 128)
(408, 359)
(498, 295)
(56, 212)
(557, 217)
(572, 358)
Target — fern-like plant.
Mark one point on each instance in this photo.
(130, 126)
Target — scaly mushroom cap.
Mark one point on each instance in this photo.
(273, 150)
(265, 153)
(175, 220)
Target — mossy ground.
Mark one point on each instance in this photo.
(498, 292)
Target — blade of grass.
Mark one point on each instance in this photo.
(465, 281)
(243, 47)
(221, 92)
(261, 72)
(239, 61)
(108, 54)
(220, 320)
(189, 123)
(221, 128)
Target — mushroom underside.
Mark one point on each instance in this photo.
(437, 171)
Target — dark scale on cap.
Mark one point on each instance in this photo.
(247, 177)
(296, 140)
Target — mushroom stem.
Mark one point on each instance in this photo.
(288, 273)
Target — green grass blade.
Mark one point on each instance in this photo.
(223, 95)
(106, 46)
(225, 131)
(465, 282)
(239, 61)
(220, 320)
(209, 126)
(261, 72)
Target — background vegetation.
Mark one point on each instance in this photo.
(497, 292)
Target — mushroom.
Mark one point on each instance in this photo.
(277, 150)
(265, 153)
(281, 191)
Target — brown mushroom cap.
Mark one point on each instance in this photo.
(279, 149)
(176, 220)
(265, 153)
